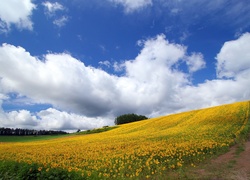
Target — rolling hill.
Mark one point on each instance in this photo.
(146, 149)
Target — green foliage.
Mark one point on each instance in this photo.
(98, 130)
(27, 132)
(10, 170)
(29, 138)
(128, 118)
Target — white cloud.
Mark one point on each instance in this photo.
(69, 121)
(52, 11)
(132, 5)
(68, 84)
(22, 117)
(232, 62)
(105, 63)
(152, 84)
(234, 57)
(51, 119)
(214, 92)
(14, 12)
(59, 79)
(118, 67)
(52, 8)
(61, 21)
(18, 119)
(195, 62)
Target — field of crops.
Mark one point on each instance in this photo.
(142, 149)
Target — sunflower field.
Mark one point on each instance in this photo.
(138, 150)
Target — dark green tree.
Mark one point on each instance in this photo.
(127, 118)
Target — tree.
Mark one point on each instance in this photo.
(27, 132)
(127, 118)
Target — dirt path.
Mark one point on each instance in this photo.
(242, 166)
(234, 165)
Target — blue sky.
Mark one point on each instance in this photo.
(73, 64)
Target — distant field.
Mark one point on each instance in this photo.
(29, 138)
(145, 149)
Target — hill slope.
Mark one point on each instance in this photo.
(142, 149)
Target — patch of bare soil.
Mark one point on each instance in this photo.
(242, 167)
(233, 165)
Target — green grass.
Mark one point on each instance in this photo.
(48, 137)
(10, 170)
(30, 138)
(98, 130)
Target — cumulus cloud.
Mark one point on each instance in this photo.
(132, 5)
(66, 83)
(22, 118)
(233, 64)
(58, 79)
(234, 57)
(69, 121)
(51, 119)
(16, 13)
(152, 84)
(215, 92)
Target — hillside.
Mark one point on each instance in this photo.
(146, 149)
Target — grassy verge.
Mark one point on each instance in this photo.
(30, 138)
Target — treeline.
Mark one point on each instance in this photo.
(27, 132)
(128, 118)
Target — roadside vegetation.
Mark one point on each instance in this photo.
(166, 147)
